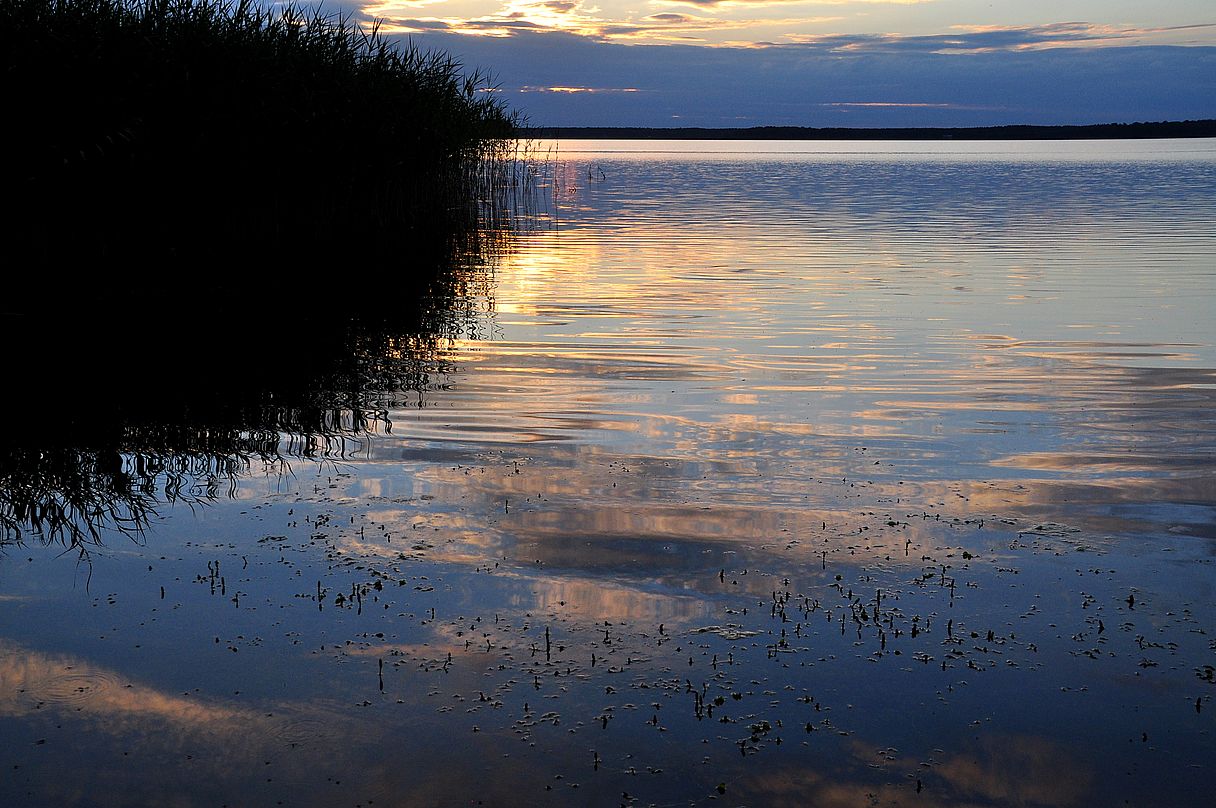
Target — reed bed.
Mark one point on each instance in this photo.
(225, 130)
(205, 149)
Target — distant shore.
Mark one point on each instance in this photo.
(1105, 131)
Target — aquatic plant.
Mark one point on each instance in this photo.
(204, 130)
(207, 135)
(72, 496)
(177, 436)
(144, 402)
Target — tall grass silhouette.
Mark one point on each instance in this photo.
(216, 130)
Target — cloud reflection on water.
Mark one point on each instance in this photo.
(720, 379)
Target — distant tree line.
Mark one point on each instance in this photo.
(1105, 131)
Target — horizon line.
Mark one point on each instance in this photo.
(1200, 128)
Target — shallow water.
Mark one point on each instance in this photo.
(763, 474)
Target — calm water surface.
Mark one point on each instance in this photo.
(750, 473)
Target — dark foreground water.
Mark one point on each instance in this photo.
(838, 474)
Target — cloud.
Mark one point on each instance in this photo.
(669, 28)
(514, 16)
(755, 3)
(385, 9)
(576, 90)
(422, 25)
(986, 38)
(896, 105)
(572, 17)
(732, 23)
(804, 85)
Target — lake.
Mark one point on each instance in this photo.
(778, 473)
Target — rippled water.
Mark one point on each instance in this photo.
(740, 326)
(771, 474)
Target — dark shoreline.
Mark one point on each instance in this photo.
(1106, 131)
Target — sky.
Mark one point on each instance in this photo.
(826, 62)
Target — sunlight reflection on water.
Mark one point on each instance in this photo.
(768, 315)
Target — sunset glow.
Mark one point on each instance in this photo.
(850, 63)
(940, 26)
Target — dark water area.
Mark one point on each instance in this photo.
(747, 474)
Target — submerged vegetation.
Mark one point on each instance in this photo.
(147, 402)
(151, 416)
(199, 130)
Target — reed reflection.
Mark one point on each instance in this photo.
(144, 398)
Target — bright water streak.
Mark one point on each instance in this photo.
(742, 324)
